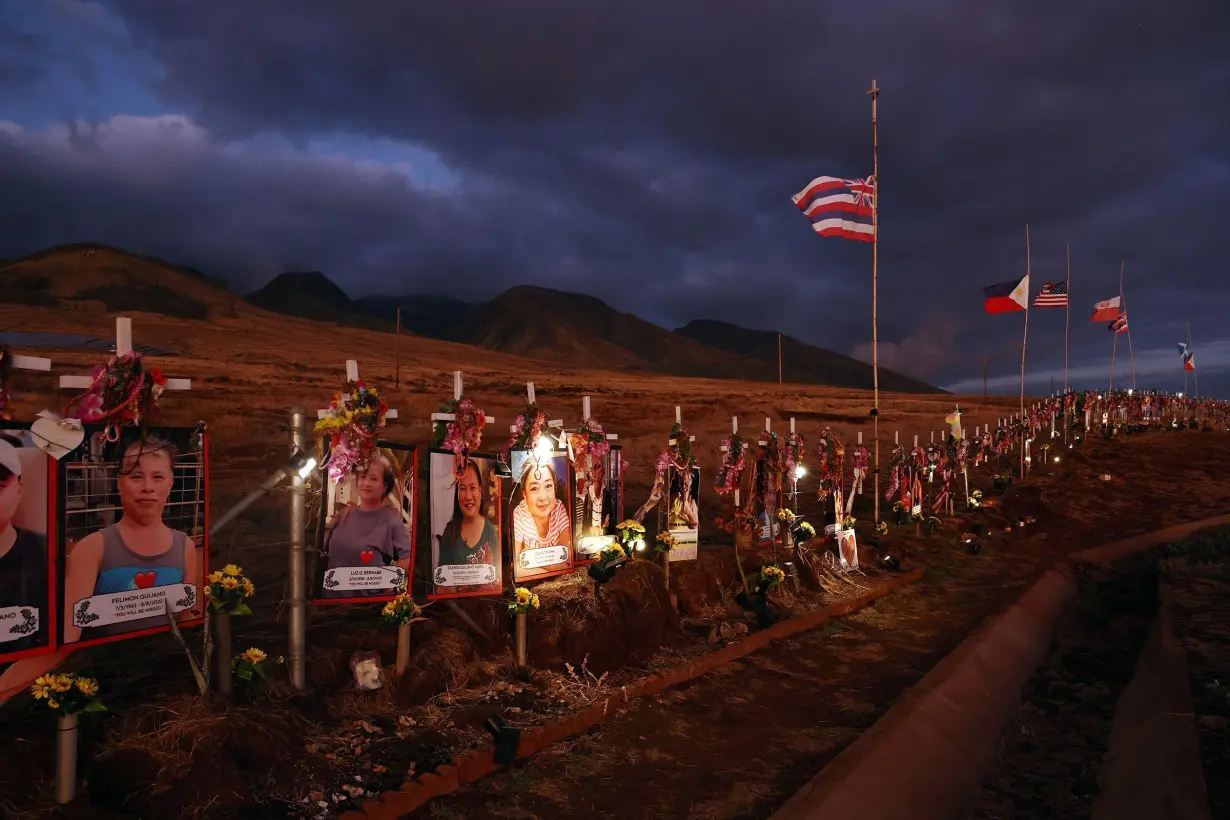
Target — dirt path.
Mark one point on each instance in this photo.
(738, 742)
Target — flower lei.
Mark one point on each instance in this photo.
(122, 392)
(589, 447)
(677, 455)
(832, 455)
(527, 427)
(463, 435)
(352, 422)
(733, 462)
(896, 471)
(6, 370)
(795, 449)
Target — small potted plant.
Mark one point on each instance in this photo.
(66, 696)
(248, 669)
(757, 601)
(632, 536)
(610, 559)
(522, 602)
(975, 498)
(401, 612)
(228, 591)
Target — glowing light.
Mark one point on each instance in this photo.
(799, 472)
(1180, 395)
(1130, 391)
(1056, 459)
(544, 448)
(307, 468)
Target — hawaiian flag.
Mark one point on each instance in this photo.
(1007, 297)
(1053, 294)
(840, 207)
(1189, 357)
(1120, 324)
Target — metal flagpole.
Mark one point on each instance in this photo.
(1123, 310)
(1025, 340)
(1195, 378)
(1067, 319)
(874, 93)
(1115, 341)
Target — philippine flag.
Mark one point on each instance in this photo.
(1007, 297)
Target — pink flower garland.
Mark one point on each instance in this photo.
(733, 462)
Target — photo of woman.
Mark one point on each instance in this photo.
(121, 578)
(368, 546)
(683, 514)
(465, 521)
(541, 522)
(25, 582)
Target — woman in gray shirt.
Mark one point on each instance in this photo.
(370, 533)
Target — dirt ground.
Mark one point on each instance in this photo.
(161, 751)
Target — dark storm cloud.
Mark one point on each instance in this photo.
(645, 152)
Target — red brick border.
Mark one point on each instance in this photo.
(478, 764)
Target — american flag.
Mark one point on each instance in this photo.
(839, 207)
(1120, 325)
(1053, 294)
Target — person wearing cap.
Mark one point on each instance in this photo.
(23, 557)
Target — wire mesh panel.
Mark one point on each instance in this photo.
(133, 516)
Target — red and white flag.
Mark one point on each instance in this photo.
(1120, 324)
(1107, 311)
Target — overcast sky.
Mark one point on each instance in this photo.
(645, 152)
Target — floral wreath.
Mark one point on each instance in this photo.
(832, 456)
(463, 435)
(772, 455)
(527, 427)
(862, 458)
(122, 392)
(589, 446)
(733, 462)
(6, 370)
(794, 453)
(354, 418)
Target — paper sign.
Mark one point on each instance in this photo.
(465, 575)
(350, 579)
(133, 605)
(543, 557)
(686, 542)
(16, 622)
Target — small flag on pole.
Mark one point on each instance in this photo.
(1106, 311)
(1007, 297)
(1189, 357)
(839, 207)
(1053, 294)
(1120, 324)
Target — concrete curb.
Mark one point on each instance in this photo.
(478, 764)
(925, 756)
(1153, 768)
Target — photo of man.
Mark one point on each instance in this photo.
(25, 591)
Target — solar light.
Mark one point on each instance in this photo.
(1056, 459)
(892, 562)
(603, 571)
(506, 740)
(799, 472)
(1130, 391)
(792, 573)
(544, 448)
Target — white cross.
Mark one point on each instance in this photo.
(457, 382)
(734, 431)
(585, 416)
(123, 346)
(31, 363)
(679, 421)
(531, 396)
(352, 375)
(860, 438)
(768, 428)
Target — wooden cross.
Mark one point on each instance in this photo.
(457, 384)
(585, 416)
(679, 421)
(532, 398)
(352, 375)
(123, 346)
(734, 431)
(31, 363)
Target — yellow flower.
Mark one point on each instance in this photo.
(88, 686)
(229, 583)
(523, 595)
(215, 577)
(253, 655)
(390, 609)
(534, 601)
(630, 524)
(53, 703)
(61, 683)
(248, 588)
(231, 569)
(41, 687)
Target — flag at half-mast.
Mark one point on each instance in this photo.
(1106, 311)
(1120, 324)
(1007, 297)
(840, 207)
(1189, 356)
(1053, 294)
